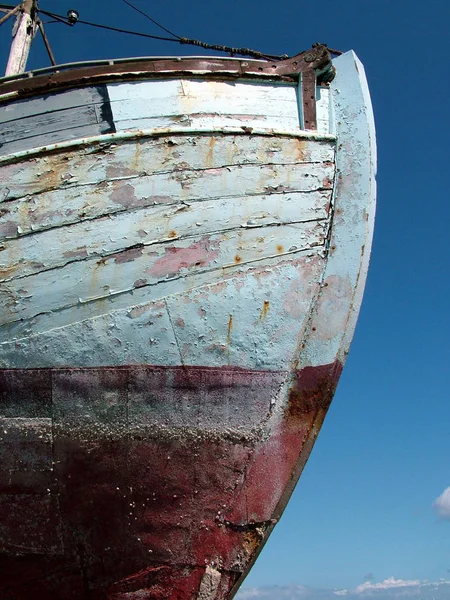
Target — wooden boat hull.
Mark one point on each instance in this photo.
(178, 300)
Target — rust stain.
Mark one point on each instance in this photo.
(50, 178)
(280, 249)
(137, 155)
(237, 259)
(7, 271)
(264, 310)
(172, 234)
(230, 326)
(313, 389)
(210, 154)
(301, 150)
(252, 540)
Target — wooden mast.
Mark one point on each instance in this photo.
(23, 34)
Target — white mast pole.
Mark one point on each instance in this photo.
(23, 34)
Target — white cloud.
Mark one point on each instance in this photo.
(442, 504)
(389, 589)
(292, 592)
(387, 584)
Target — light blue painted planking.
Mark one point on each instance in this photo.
(136, 105)
(178, 181)
(92, 111)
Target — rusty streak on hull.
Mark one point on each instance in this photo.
(112, 499)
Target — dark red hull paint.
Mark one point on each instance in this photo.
(125, 483)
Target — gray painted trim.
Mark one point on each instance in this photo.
(53, 118)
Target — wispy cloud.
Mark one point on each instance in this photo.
(389, 589)
(442, 504)
(293, 592)
(387, 584)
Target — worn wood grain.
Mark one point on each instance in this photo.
(172, 324)
(63, 206)
(83, 281)
(192, 102)
(95, 164)
(38, 126)
(149, 225)
(35, 122)
(76, 133)
(192, 281)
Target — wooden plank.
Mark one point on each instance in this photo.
(126, 159)
(63, 206)
(84, 281)
(323, 110)
(38, 126)
(246, 121)
(74, 133)
(36, 122)
(149, 225)
(138, 296)
(174, 328)
(139, 108)
(185, 320)
(135, 105)
(41, 105)
(192, 89)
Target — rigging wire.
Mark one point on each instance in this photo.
(108, 27)
(179, 40)
(152, 20)
(175, 38)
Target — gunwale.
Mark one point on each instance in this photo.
(146, 67)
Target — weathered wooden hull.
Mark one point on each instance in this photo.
(181, 281)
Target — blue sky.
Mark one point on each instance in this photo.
(364, 504)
